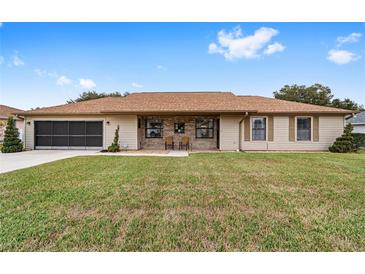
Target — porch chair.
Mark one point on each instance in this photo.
(169, 142)
(185, 143)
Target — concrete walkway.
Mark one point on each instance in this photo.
(170, 153)
(15, 161)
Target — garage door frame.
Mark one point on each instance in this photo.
(84, 147)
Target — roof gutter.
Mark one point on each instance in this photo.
(351, 115)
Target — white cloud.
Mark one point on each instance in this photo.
(160, 67)
(87, 83)
(351, 38)
(40, 72)
(214, 48)
(45, 73)
(272, 48)
(17, 61)
(136, 85)
(52, 74)
(342, 57)
(63, 80)
(232, 45)
(2, 60)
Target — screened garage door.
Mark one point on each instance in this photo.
(68, 134)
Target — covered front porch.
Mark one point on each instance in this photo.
(201, 131)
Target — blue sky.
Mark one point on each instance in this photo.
(44, 64)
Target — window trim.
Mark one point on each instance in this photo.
(146, 128)
(210, 128)
(296, 129)
(266, 128)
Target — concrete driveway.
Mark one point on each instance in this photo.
(19, 160)
(14, 161)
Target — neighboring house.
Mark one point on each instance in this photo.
(5, 112)
(212, 120)
(358, 122)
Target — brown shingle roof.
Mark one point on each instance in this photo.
(6, 111)
(271, 105)
(169, 102)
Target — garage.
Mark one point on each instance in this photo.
(68, 134)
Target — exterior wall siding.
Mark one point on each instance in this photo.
(127, 132)
(229, 132)
(330, 127)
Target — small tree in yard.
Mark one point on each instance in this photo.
(12, 143)
(345, 143)
(114, 147)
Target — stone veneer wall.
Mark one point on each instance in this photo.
(168, 130)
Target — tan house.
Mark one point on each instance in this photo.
(211, 120)
(5, 112)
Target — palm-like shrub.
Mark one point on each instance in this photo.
(114, 147)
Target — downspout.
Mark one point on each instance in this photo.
(240, 131)
(25, 134)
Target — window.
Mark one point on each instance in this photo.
(179, 128)
(259, 129)
(304, 125)
(154, 128)
(204, 128)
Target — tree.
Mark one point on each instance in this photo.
(347, 104)
(316, 94)
(12, 143)
(114, 147)
(345, 143)
(92, 94)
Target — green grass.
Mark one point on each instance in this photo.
(206, 202)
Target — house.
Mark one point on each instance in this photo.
(212, 120)
(5, 112)
(358, 122)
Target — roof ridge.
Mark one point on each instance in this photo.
(73, 103)
(178, 92)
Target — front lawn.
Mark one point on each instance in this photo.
(205, 202)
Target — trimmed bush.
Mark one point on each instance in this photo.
(12, 143)
(114, 147)
(345, 143)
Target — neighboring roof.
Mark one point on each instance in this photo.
(6, 111)
(358, 119)
(183, 102)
